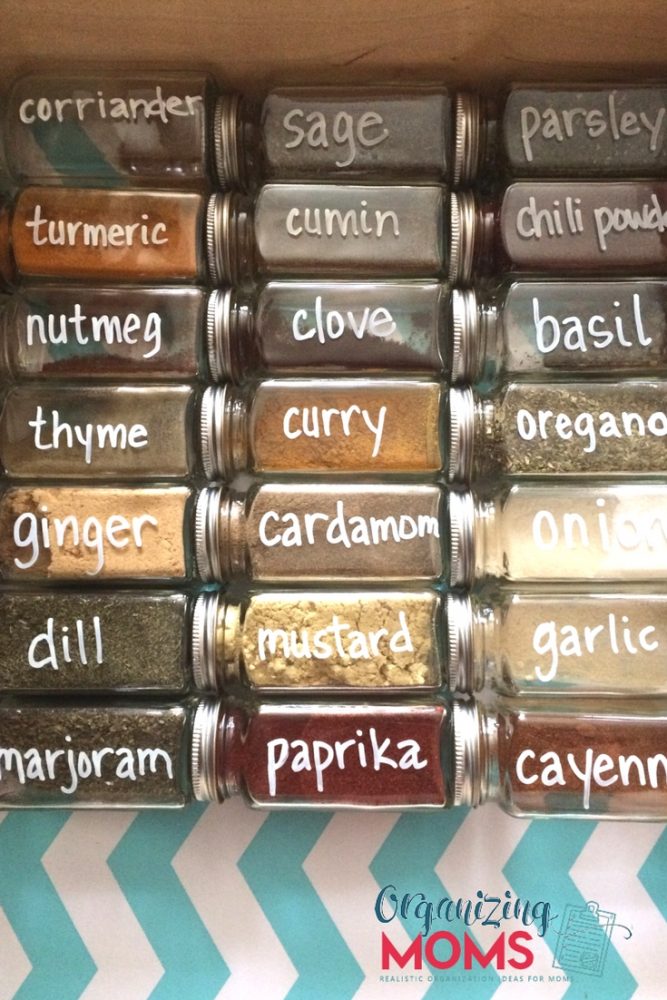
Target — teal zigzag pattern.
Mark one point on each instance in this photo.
(35, 911)
(653, 874)
(141, 863)
(73, 154)
(408, 858)
(539, 869)
(272, 865)
(273, 868)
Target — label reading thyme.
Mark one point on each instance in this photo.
(98, 432)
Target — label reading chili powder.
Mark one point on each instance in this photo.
(586, 226)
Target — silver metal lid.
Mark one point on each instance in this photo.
(207, 534)
(212, 430)
(460, 643)
(467, 139)
(226, 140)
(461, 434)
(465, 334)
(218, 324)
(204, 627)
(462, 223)
(221, 246)
(468, 769)
(461, 538)
(203, 755)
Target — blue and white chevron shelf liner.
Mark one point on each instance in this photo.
(228, 903)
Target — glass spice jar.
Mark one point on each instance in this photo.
(85, 533)
(166, 333)
(155, 128)
(559, 642)
(567, 227)
(543, 758)
(584, 129)
(71, 755)
(323, 532)
(162, 642)
(328, 327)
(280, 642)
(172, 431)
(104, 234)
(272, 532)
(96, 641)
(77, 332)
(100, 432)
(331, 231)
(344, 755)
(319, 426)
(545, 329)
(301, 230)
(416, 133)
(550, 532)
(558, 429)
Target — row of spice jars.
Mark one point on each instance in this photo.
(177, 129)
(519, 329)
(536, 758)
(328, 427)
(402, 641)
(334, 230)
(295, 531)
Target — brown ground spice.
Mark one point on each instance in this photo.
(585, 762)
(405, 415)
(87, 518)
(294, 620)
(112, 247)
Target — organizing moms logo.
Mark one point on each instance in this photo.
(446, 947)
(445, 942)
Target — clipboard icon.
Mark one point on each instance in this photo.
(583, 939)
